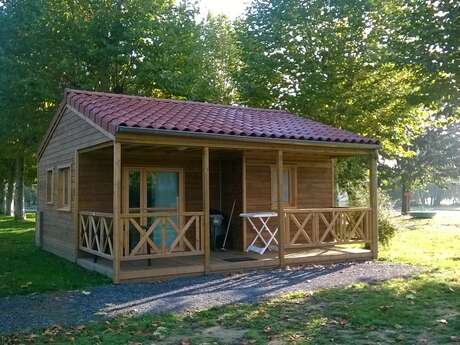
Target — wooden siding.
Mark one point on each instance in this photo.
(95, 188)
(57, 233)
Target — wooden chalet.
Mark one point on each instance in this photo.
(143, 188)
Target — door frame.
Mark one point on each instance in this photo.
(143, 170)
(143, 186)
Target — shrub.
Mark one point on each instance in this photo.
(386, 228)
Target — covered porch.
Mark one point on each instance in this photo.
(147, 207)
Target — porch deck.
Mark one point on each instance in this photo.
(223, 261)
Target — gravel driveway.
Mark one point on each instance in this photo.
(23, 313)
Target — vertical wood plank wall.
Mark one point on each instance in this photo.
(96, 180)
(57, 227)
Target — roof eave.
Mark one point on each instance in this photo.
(139, 130)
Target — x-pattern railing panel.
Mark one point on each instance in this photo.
(96, 233)
(319, 227)
(187, 229)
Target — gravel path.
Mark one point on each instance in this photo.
(22, 313)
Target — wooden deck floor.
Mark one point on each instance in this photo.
(223, 261)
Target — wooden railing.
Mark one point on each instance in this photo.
(141, 230)
(319, 227)
(96, 233)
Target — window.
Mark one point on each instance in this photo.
(289, 176)
(64, 188)
(50, 186)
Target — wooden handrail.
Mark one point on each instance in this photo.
(329, 209)
(159, 214)
(96, 214)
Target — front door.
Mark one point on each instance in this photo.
(151, 194)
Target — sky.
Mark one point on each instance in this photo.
(231, 8)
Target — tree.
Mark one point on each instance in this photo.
(435, 160)
(383, 69)
(426, 34)
(145, 47)
(221, 58)
(326, 60)
(323, 60)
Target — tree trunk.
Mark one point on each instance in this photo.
(19, 188)
(438, 198)
(2, 196)
(9, 192)
(405, 198)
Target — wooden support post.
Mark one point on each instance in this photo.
(205, 175)
(117, 230)
(76, 176)
(334, 182)
(243, 196)
(281, 220)
(373, 200)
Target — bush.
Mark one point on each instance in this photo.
(386, 228)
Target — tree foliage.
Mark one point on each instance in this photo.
(326, 60)
(153, 48)
(384, 69)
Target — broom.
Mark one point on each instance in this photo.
(228, 226)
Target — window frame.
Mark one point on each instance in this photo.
(60, 188)
(292, 178)
(50, 184)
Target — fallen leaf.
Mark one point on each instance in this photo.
(401, 337)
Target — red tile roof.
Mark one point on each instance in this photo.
(112, 111)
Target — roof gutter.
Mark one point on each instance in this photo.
(266, 140)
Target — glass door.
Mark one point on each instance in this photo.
(153, 194)
(163, 197)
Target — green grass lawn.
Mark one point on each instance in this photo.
(26, 269)
(420, 310)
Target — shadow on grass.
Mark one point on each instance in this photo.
(26, 269)
(8, 224)
(421, 310)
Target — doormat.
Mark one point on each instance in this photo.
(245, 258)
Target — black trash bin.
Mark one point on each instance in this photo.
(216, 223)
